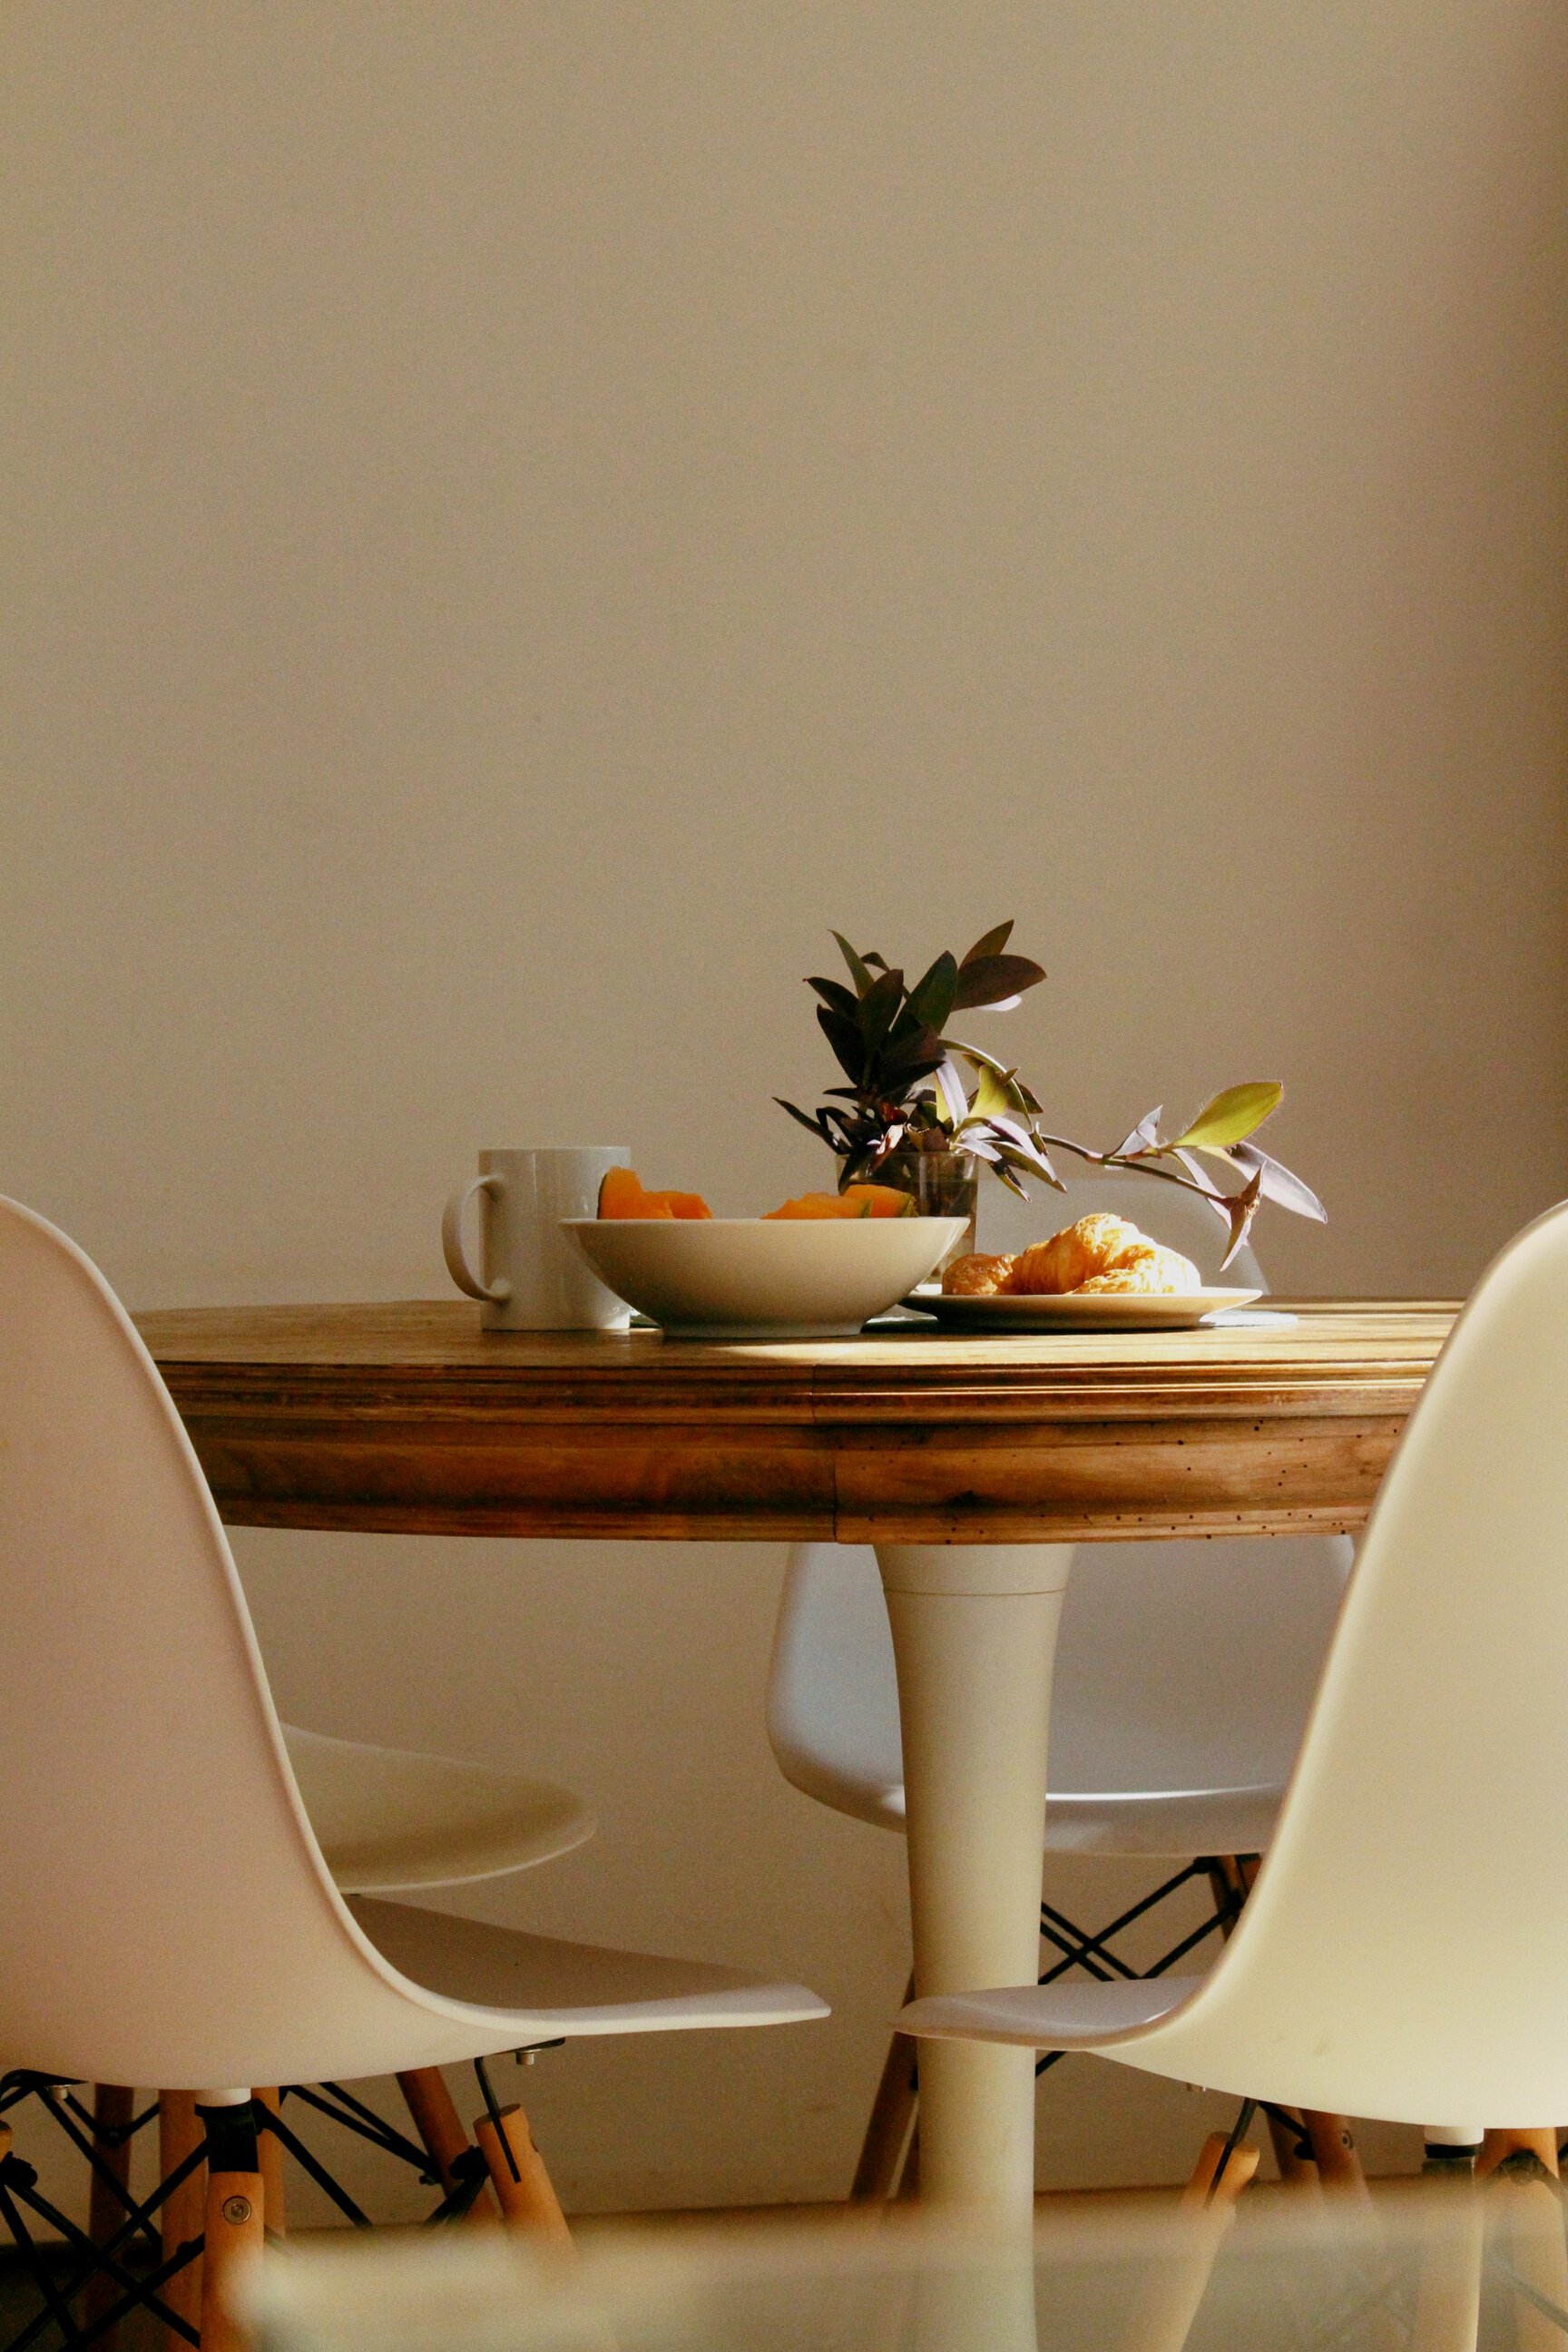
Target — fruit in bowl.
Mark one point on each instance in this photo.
(624, 1194)
(802, 1272)
(855, 1200)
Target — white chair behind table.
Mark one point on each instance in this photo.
(170, 1918)
(1184, 1673)
(1401, 1954)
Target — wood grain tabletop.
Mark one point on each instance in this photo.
(406, 1418)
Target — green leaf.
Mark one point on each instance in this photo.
(998, 1090)
(977, 1058)
(1231, 1115)
(992, 944)
(858, 972)
(931, 997)
(992, 1098)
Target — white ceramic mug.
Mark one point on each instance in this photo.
(533, 1279)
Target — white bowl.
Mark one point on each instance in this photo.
(761, 1277)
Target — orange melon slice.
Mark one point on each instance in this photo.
(622, 1194)
(855, 1200)
(684, 1204)
(882, 1199)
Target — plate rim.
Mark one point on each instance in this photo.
(1220, 1299)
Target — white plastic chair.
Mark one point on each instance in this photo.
(1401, 1955)
(170, 1918)
(389, 1821)
(1184, 1669)
(392, 1820)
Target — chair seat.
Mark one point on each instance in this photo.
(547, 1988)
(1063, 2016)
(1172, 1824)
(390, 1820)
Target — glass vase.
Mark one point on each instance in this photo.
(942, 1184)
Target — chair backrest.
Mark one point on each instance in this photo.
(1402, 1955)
(1182, 1665)
(167, 1915)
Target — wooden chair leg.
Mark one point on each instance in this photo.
(1209, 2191)
(441, 2134)
(523, 2188)
(113, 2103)
(1333, 2162)
(1524, 2218)
(1286, 2134)
(1499, 2146)
(271, 2151)
(887, 2141)
(1334, 2152)
(1169, 2303)
(180, 2215)
(1449, 2283)
(233, 2226)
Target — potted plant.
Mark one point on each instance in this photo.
(924, 1112)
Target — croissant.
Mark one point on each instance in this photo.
(1101, 1252)
(1067, 1261)
(1149, 1272)
(976, 1276)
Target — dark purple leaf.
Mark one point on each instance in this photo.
(834, 992)
(933, 996)
(991, 978)
(878, 1008)
(816, 1125)
(857, 963)
(911, 1058)
(992, 944)
(844, 1037)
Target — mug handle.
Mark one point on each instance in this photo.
(457, 1265)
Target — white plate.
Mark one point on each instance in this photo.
(1100, 1311)
(762, 1278)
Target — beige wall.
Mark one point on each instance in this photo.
(515, 518)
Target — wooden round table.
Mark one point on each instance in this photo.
(972, 1464)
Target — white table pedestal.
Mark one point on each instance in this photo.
(974, 1631)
